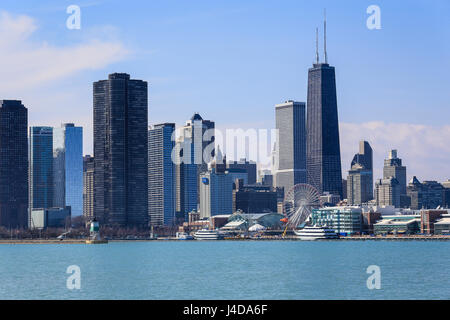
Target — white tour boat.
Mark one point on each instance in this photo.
(206, 234)
(316, 233)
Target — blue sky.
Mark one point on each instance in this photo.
(232, 61)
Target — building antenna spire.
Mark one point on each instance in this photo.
(317, 45)
(325, 34)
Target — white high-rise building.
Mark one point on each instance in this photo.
(290, 154)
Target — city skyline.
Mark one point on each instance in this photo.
(224, 159)
(419, 135)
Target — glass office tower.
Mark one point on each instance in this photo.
(68, 168)
(41, 169)
(161, 175)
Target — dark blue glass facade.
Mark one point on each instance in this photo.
(41, 168)
(68, 167)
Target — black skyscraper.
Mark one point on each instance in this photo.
(120, 151)
(323, 149)
(13, 164)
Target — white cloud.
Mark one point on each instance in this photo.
(425, 150)
(26, 64)
(37, 72)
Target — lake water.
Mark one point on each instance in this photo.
(228, 270)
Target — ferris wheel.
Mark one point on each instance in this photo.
(298, 204)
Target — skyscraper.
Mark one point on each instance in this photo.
(13, 164)
(121, 151)
(387, 192)
(323, 161)
(161, 174)
(41, 169)
(88, 187)
(359, 185)
(393, 168)
(68, 167)
(291, 144)
(360, 176)
(216, 193)
(196, 139)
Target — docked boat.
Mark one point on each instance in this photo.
(206, 234)
(316, 233)
(184, 236)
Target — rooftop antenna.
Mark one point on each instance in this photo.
(317, 45)
(325, 35)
